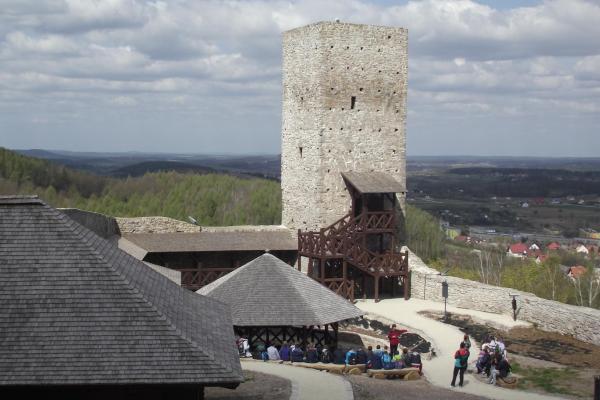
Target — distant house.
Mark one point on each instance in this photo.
(525, 204)
(582, 249)
(534, 247)
(463, 239)
(539, 201)
(576, 271)
(553, 246)
(82, 319)
(541, 258)
(519, 250)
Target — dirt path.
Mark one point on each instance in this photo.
(307, 384)
(256, 386)
(375, 389)
(445, 340)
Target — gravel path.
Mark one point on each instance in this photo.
(307, 384)
(445, 339)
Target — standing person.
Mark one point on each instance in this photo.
(467, 342)
(460, 364)
(394, 338)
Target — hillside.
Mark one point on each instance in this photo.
(139, 169)
(212, 199)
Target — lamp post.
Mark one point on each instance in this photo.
(445, 296)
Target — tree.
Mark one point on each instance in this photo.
(587, 288)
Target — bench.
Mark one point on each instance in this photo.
(335, 368)
(407, 374)
(509, 382)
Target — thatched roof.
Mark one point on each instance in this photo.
(213, 241)
(373, 182)
(77, 310)
(268, 292)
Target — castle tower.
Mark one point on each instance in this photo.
(344, 110)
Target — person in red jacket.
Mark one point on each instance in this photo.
(394, 338)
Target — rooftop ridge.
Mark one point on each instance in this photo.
(20, 199)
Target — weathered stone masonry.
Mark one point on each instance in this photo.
(582, 323)
(344, 109)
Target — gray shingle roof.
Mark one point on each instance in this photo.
(213, 241)
(276, 294)
(77, 310)
(373, 182)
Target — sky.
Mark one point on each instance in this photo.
(509, 77)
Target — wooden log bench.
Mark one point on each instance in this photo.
(407, 374)
(333, 368)
(509, 382)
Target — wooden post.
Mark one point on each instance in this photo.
(322, 270)
(597, 387)
(299, 252)
(376, 284)
(407, 285)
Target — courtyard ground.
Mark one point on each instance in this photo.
(256, 386)
(445, 340)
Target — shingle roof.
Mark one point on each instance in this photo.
(77, 310)
(213, 241)
(276, 294)
(373, 182)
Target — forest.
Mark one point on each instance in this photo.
(211, 199)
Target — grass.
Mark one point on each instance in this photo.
(550, 380)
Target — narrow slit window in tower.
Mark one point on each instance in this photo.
(352, 102)
(300, 150)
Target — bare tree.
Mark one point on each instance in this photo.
(587, 288)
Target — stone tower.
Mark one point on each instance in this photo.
(344, 109)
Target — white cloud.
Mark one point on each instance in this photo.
(214, 60)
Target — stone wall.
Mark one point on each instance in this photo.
(580, 322)
(344, 109)
(102, 225)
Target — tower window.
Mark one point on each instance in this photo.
(300, 150)
(352, 102)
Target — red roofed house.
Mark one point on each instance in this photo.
(541, 258)
(576, 271)
(553, 246)
(518, 250)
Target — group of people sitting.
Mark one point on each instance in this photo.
(492, 361)
(377, 358)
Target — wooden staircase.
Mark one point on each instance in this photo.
(346, 241)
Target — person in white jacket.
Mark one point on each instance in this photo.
(273, 353)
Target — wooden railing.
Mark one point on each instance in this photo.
(344, 288)
(194, 279)
(333, 241)
(342, 239)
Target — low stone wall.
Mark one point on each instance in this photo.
(102, 225)
(583, 323)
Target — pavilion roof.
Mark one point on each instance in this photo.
(276, 294)
(77, 310)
